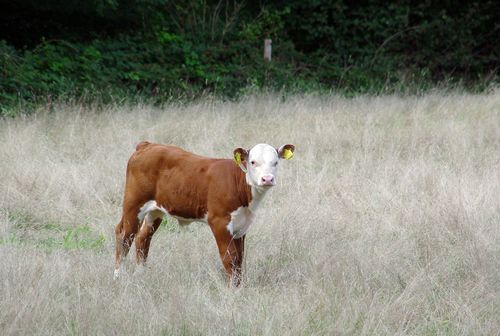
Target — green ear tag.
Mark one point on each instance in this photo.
(287, 154)
(237, 158)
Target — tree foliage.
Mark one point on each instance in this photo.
(168, 48)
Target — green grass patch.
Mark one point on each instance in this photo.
(28, 231)
(78, 238)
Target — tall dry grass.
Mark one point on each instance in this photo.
(387, 221)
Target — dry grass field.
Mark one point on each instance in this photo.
(386, 222)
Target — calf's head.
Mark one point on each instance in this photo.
(261, 163)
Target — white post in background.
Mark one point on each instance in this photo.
(267, 49)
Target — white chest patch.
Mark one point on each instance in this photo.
(241, 219)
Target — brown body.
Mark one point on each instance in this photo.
(189, 187)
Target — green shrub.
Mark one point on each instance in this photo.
(159, 50)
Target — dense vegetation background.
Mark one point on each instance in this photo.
(164, 49)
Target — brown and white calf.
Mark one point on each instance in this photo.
(164, 179)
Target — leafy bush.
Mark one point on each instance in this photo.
(159, 49)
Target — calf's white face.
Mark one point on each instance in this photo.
(261, 163)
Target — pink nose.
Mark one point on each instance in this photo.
(267, 180)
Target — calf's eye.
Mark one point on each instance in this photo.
(253, 163)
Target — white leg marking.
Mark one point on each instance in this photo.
(230, 228)
(153, 208)
(149, 212)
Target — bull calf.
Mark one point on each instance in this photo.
(165, 179)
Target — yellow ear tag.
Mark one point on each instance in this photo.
(287, 154)
(237, 158)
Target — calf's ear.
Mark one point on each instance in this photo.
(240, 156)
(286, 151)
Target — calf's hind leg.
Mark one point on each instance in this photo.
(125, 232)
(149, 226)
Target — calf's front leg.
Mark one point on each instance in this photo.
(230, 251)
